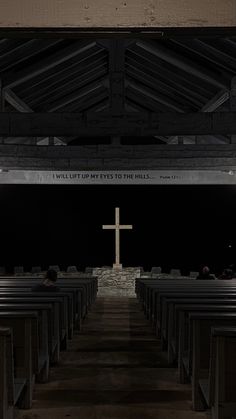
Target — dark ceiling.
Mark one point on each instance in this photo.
(68, 75)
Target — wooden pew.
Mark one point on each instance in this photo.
(75, 311)
(201, 349)
(42, 351)
(66, 307)
(86, 285)
(16, 304)
(167, 301)
(40, 347)
(194, 335)
(149, 289)
(70, 290)
(170, 331)
(219, 310)
(160, 290)
(184, 331)
(11, 388)
(53, 317)
(203, 292)
(21, 324)
(218, 390)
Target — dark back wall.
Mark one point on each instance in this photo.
(174, 226)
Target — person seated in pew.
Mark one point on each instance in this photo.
(226, 274)
(49, 282)
(204, 273)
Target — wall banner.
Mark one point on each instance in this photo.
(119, 177)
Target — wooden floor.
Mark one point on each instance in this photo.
(114, 369)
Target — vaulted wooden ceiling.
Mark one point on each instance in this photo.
(178, 74)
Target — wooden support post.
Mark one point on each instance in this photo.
(2, 104)
(232, 100)
(117, 76)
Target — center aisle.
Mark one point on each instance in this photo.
(113, 369)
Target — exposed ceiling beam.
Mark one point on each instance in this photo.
(144, 103)
(183, 63)
(81, 96)
(24, 51)
(117, 76)
(210, 106)
(162, 99)
(218, 100)
(54, 60)
(216, 55)
(21, 106)
(167, 88)
(153, 65)
(16, 102)
(71, 81)
(208, 53)
(61, 72)
(102, 123)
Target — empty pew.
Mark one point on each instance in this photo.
(21, 324)
(147, 290)
(195, 336)
(167, 301)
(170, 331)
(41, 351)
(218, 390)
(204, 291)
(12, 389)
(39, 338)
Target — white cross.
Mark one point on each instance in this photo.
(117, 227)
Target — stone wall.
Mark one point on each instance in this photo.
(116, 282)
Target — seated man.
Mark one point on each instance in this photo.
(49, 283)
(205, 274)
(226, 274)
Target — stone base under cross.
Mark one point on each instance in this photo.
(114, 282)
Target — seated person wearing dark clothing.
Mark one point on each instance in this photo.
(205, 274)
(226, 274)
(49, 283)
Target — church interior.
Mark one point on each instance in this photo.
(118, 187)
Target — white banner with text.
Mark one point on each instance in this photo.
(118, 177)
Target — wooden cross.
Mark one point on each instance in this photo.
(117, 227)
